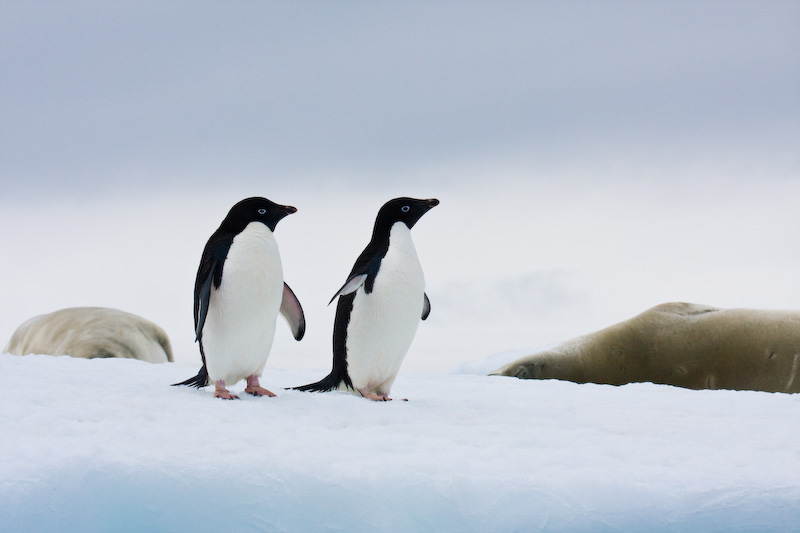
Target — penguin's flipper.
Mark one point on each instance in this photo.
(426, 308)
(199, 381)
(292, 311)
(201, 306)
(351, 285)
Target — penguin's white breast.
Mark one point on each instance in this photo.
(383, 323)
(240, 326)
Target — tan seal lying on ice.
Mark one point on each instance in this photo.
(91, 332)
(681, 344)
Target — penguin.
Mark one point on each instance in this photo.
(380, 306)
(238, 293)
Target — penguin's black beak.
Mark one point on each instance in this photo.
(281, 211)
(433, 202)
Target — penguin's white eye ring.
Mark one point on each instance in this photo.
(262, 211)
(405, 209)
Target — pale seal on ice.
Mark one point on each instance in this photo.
(91, 332)
(682, 344)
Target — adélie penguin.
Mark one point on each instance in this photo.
(380, 306)
(238, 293)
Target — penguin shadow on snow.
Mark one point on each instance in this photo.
(380, 306)
(238, 293)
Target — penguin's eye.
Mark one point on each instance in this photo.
(405, 209)
(262, 211)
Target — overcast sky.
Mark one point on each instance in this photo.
(592, 158)
(181, 92)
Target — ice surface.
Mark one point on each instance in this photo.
(108, 445)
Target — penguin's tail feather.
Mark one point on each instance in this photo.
(199, 381)
(328, 383)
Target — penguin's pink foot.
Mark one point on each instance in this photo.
(375, 397)
(255, 388)
(260, 391)
(221, 392)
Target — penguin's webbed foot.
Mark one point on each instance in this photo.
(255, 388)
(259, 391)
(225, 395)
(221, 392)
(374, 397)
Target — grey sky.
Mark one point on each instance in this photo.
(151, 93)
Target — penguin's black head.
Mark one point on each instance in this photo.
(407, 210)
(256, 209)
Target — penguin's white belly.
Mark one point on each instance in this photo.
(240, 325)
(383, 323)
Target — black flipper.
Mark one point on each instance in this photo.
(209, 274)
(426, 308)
(201, 307)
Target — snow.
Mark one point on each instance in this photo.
(108, 445)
